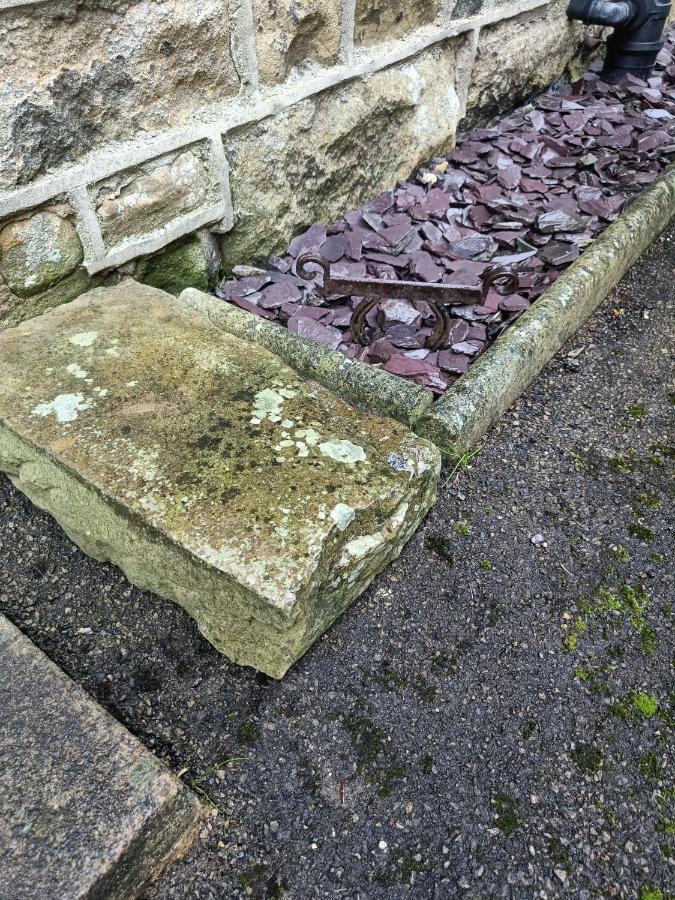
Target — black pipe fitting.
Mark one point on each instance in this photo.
(638, 32)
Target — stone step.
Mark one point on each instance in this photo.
(85, 810)
(206, 468)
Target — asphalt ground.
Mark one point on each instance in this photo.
(493, 718)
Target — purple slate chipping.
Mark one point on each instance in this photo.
(403, 365)
(398, 312)
(470, 348)
(310, 328)
(275, 295)
(530, 190)
(457, 363)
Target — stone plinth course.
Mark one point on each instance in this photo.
(206, 468)
(85, 810)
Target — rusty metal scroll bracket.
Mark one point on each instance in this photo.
(438, 296)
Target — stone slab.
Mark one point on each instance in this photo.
(207, 469)
(85, 809)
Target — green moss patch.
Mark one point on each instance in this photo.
(587, 759)
(507, 817)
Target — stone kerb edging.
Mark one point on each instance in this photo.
(459, 419)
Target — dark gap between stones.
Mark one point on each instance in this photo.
(531, 190)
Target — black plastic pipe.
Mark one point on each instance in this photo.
(638, 32)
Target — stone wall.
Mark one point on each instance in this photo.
(170, 138)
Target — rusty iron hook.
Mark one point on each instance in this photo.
(439, 297)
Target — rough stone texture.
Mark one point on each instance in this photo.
(366, 386)
(328, 153)
(517, 56)
(85, 810)
(145, 202)
(463, 9)
(120, 71)
(178, 267)
(473, 405)
(380, 20)
(215, 477)
(292, 32)
(15, 309)
(37, 252)
(105, 71)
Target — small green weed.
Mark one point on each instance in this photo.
(574, 632)
(460, 460)
(441, 546)
(641, 532)
(649, 892)
(645, 703)
(557, 851)
(248, 733)
(648, 764)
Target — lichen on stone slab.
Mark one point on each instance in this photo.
(211, 474)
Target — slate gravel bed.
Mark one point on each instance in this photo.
(493, 718)
(530, 190)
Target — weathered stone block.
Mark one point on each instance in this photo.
(142, 202)
(177, 267)
(85, 810)
(37, 252)
(211, 474)
(76, 74)
(380, 20)
(520, 55)
(292, 32)
(331, 152)
(15, 309)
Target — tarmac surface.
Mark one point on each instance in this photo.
(493, 718)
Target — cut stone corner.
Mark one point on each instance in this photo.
(211, 474)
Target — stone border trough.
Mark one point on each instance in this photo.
(457, 421)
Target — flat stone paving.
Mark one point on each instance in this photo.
(481, 724)
(85, 810)
(219, 479)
